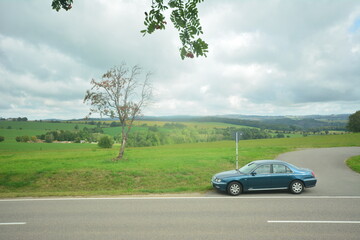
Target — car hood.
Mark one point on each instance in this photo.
(231, 173)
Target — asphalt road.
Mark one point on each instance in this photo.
(318, 213)
(181, 218)
(334, 177)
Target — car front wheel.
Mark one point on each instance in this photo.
(234, 188)
(297, 187)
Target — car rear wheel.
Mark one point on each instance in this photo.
(234, 188)
(296, 187)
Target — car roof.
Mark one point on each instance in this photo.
(268, 161)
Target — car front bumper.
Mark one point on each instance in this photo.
(221, 186)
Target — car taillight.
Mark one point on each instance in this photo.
(313, 174)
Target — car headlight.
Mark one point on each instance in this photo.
(217, 180)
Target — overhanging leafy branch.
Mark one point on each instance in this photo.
(184, 16)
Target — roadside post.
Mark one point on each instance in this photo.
(237, 134)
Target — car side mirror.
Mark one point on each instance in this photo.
(253, 173)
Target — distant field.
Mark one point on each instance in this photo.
(143, 133)
(12, 129)
(192, 124)
(41, 169)
(188, 124)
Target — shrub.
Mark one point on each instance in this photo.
(22, 138)
(49, 138)
(105, 142)
(25, 139)
(2, 138)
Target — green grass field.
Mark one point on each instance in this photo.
(41, 169)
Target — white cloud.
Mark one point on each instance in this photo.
(37, 79)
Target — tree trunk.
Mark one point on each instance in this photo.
(122, 150)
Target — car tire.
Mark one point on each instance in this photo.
(234, 188)
(296, 187)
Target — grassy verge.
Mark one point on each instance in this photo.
(354, 163)
(40, 169)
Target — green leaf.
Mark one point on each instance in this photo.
(151, 27)
(172, 4)
(183, 53)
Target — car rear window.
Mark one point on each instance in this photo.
(280, 168)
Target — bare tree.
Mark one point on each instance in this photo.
(122, 94)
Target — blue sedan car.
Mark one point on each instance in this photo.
(264, 175)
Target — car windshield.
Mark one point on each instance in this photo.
(248, 168)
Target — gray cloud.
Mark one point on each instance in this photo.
(266, 57)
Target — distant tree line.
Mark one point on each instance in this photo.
(182, 134)
(19, 119)
(86, 134)
(283, 124)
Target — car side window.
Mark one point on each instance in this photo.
(264, 169)
(280, 168)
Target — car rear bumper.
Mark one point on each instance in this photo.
(310, 182)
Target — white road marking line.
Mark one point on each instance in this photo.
(13, 223)
(338, 222)
(177, 198)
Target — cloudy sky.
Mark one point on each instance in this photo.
(273, 57)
